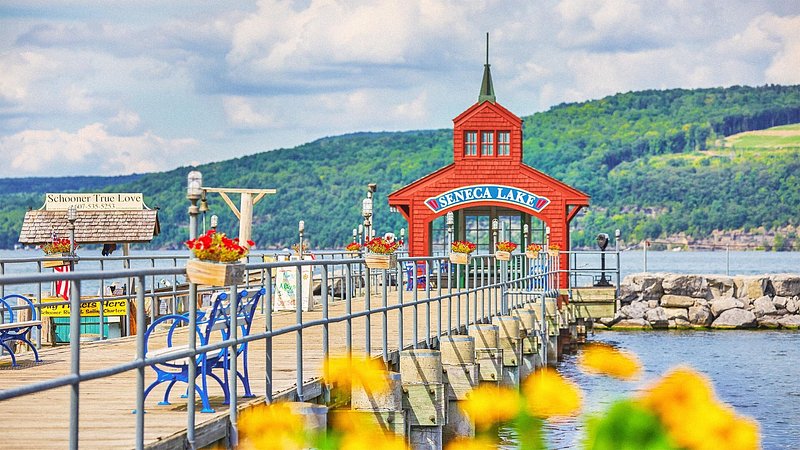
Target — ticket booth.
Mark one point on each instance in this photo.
(487, 180)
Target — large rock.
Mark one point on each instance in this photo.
(723, 304)
(680, 324)
(735, 318)
(786, 285)
(646, 285)
(628, 293)
(632, 324)
(770, 322)
(763, 306)
(751, 286)
(676, 313)
(780, 302)
(700, 316)
(676, 301)
(635, 310)
(686, 285)
(721, 286)
(792, 306)
(656, 316)
(791, 322)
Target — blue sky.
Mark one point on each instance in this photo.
(118, 87)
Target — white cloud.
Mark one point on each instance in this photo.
(241, 114)
(20, 71)
(57, 152)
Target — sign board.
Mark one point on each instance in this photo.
(106, 201)
(91, 309)
(286, 289)
(487, 192)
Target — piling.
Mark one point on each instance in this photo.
(384, 409)
(509, 342)
(423, 397)
(529, 327)
(314, 416)
(488, 355)
(460, 377)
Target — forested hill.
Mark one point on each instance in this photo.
(655, 163)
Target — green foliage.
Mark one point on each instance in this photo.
(627, 426)
(642, 156)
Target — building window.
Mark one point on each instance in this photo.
(477, 230)
(471, 143)
(487, 143)
(439, 236)
(503, 143)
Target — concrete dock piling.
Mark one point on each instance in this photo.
(488, 354)
(423, 397)
(509, 341)
(460, 376)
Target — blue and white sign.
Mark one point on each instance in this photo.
(487, 192)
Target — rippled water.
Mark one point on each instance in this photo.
(757, 372)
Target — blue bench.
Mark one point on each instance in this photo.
(167, 335)
(11, 329)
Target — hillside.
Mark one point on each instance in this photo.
(656, 163)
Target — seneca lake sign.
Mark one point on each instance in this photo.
(487, 192)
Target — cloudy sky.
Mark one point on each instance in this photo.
(111, 87)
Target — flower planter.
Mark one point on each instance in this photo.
(214, 273)
(502, 256)
(459, 258)
(531, 254)
(552, 253)
(59, 263)
(377, 261)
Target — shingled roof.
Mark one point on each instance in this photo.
(91, 227)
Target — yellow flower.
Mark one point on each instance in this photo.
(366, 372)
(478, 443)
(490, 404)
(272, 426)
(604, 359)
(684, 400)
(548, 394)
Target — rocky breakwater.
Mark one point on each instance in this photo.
(663, 300)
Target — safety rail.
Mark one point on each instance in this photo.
(461, 295)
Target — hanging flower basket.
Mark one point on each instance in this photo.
(56, 263)
(502, 256)
(459, 258)
(553, 250)
(213, 273)
(377, 261)
(531, 254)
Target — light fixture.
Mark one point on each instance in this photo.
(366, 207)
(450, 219)
(72, 214)
(194, 189)
(301, 226)
(495, 223)
(214, 221)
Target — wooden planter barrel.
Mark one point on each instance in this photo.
(214, 273)
(459, 258)
(502, 256)
(376, 261)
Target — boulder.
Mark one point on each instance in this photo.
(680, 324)
(791, 322)
(763, 306)
(633, 311)
(700, 316)
(786, 285)
(632, 324)
(628, 293)
(655, 315)
(647, 285)
(792, 306)
(686, 285)
(677, 313)
(780, 302)
(770, 322)
(723, 304)
(735, 318)
(676, 301)
(721, 286)
(753, 286)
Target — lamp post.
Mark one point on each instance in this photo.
(495, 226)
(403, 238)
(355, 235)
(525, 231)
(366, 212)
(301, 227)
(450, 223)
(214, 222)
(72, 216)
(194, 191)
(360, 234)
(203, 208)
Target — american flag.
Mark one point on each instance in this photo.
(62, 286)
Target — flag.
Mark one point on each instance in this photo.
(62, 286)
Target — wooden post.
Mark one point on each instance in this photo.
(509, 342)
(423, 389)
(530, 359)
(488, 355)
(460, 377)
(382, 409)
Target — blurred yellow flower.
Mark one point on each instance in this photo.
(685, 401)
(490, 404)
(548, 394)
(478, 443)
(373, 439)
(272, 426)
(367, 372)
(606, 360)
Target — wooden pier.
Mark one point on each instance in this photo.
(41, 420)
